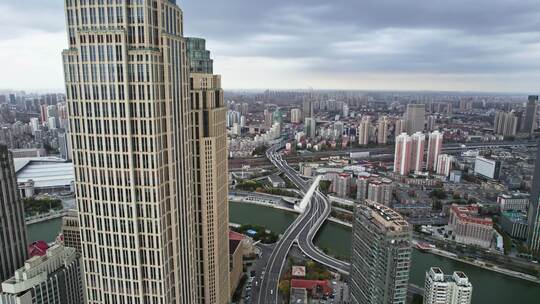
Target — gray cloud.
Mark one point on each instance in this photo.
(461, 37)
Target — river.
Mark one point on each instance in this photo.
(489, 287)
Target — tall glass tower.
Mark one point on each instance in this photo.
(128, 88)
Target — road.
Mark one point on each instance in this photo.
(379, 150)
(302, 231)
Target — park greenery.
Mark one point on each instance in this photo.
(266, 237)
(34, 206)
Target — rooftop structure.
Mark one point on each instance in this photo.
(54, 278)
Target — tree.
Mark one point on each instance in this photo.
(285, 288)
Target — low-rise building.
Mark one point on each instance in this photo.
(55, 278)
(236, 254)
(469, 228)
(515, 224)
(513, 201)
(445, 289)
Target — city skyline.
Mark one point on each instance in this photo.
(449, 47)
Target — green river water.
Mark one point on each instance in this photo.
(489, 287)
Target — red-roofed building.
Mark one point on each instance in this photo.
(469, 228)
(38, 248)
(315, 288)
(236, 254)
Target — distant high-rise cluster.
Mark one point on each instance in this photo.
(381, 255)
(12, 224)
(410, 151)
(445, 289)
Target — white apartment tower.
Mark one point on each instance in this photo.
(446, 289)
(435, 144)
(402, 154)
(128, 89)
(417, 153)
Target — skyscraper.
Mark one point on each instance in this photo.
(533, 239)
(435, 144)
(12, 225)
(530, 120)
(446, 289)
(415, 118)
(131, 123)
(211, 186)
(381, 255)
(402, 154)
(417, 153)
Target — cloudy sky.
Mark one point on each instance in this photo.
(474, 45)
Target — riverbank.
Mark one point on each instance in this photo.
(490, 287)
(449, 255)
(484, 265)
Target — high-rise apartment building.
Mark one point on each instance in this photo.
(296, 116)
(211, 186)
(506, 124)
(415, 118)
(435, 143)
(402, 154)
(533, 239)
(132, 124)
(364, 130)
(400, 127)
(382, 130)
(307, 109)
(310, 127)
(530, 120)
(12, 225)
(445, 289)
(417, 151)
(444, 164)
(54, 278)
(381, 255)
